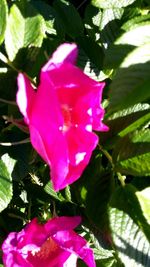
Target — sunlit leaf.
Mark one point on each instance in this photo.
(112, 3)
(25, 28)
(136, 35)
(124, 122)
(125, 199)
(49, 190)
(132, 245)
(6, 168)
(3, 18)
(144, 199)
(131, 82)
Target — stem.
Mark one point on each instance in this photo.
(46, 55)
(29, 210)
(27, 140)
(8, 101)
(68, 193)
(4, 59)
(121, 179)
(54, 210)
(16, 216)
(107, 155)
(84, 1)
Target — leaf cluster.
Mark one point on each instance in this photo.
(113, 194)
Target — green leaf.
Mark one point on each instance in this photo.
(130, 111)
(103, 257)
(3, 19)
(135, 35)
(132, 154)
(131, 82)
(6, 168)
(112, 3)
(92, 21)
(98, 185)
(133, 248)
(135, 125)
(115, 55)
(100, 191)
(48, 14)
(53, 24)
(70, 18)
(25, 28)
(93, 51)
(106, 258)
(49, 190)
(90, 59)
(125, 199)
(89, 67)
(109, 25)
(125, 121)
(103, 25)
(135, 19)
(144, 199)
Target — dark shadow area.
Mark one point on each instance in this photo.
(115, 54)
(116, 125)
(130, 85)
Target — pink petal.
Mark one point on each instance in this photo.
(64, 53)
(12, 256)
(33, 233)
(75, 244)
(25, 96)
(47, 245)
(91, 112)
(70, 83)
(81, 143)
(14, 259)
(46, 137)
(62, 223)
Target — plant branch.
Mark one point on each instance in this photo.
(27, 140)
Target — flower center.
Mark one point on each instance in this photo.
(66, 112)
(46, 251)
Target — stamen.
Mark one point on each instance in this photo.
(66, 112)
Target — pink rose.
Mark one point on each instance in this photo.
(53, 244)
(61, 115)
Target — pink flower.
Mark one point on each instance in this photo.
(53, 244)
(61, 115)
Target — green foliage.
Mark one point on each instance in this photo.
(130, 84)
(25, 27)
(112, 3)
(3, 19)
(113, 194)
(6, 167)
(144, 198)
(132, 154)
(70, 18)
(132, 246)
(125, 199)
